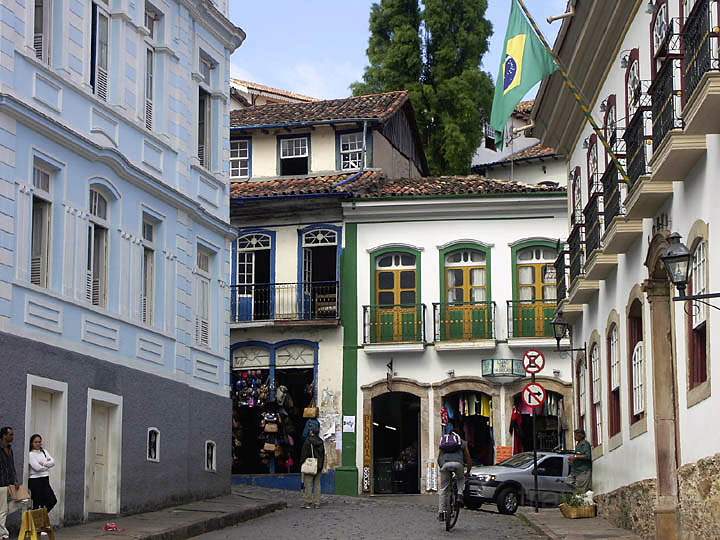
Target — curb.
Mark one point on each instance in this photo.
(547, 533)
(216, 523)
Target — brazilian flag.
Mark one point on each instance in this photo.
(525, 62)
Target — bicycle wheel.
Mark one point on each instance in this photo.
(452, 509)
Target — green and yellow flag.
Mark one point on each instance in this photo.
(526, 61)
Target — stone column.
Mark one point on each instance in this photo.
(666, 450)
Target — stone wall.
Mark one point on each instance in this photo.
(700, 498)
(631, 507)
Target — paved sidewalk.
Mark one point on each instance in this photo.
(179, 522)
(552, 524)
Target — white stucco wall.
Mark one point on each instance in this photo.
(552, 170)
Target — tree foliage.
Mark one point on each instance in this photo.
(435, 54)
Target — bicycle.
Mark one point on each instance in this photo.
(452, 504)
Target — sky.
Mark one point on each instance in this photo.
(317, 47)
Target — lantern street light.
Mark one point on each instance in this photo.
(561, 329)
(677, 261)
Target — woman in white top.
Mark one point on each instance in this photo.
(39, 482)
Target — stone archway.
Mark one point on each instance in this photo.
(657, 289)
(565, 389)
(466, 384)
(378, 388)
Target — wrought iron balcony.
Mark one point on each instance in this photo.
(613, 193)
(616, 141)
(464, 321)
(285, 302)
(594, 223)
(638, 140)
(701, 39)
(531, 318)
(576, 244)
(666, 100)
(594, 184)
(562, 273)
(394, 323)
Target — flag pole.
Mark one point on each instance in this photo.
(577, 94)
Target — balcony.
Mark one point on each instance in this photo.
(529, 322)
(285, 303)
(398, 328)
(562, 275)
(701, 74)
(638, 137)
(620, 232)
(581, 288)
(674, 152)
(598, 264)
(464, 325)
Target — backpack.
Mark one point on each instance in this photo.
(450, 442)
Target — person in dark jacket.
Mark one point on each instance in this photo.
(313, 447)
(7, 477)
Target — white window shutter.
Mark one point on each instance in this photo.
(148, 113)
(38, 45)
(101, 82)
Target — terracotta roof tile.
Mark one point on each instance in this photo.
(372, 106)
(271, 90)
(373, 184)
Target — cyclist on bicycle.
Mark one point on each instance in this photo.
(453, 457)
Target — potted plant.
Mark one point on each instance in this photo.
(578, 506)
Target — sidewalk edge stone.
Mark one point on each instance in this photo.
(547, 533)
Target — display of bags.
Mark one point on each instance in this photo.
(19, 494)
(311, 412)
(269, 447)
(310, 465)
(271, 427)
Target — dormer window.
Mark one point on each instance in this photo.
(294, 155)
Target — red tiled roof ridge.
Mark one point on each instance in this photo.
(272, 89)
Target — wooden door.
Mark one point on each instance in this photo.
(99, 454)
(43, 422)
(536, 292)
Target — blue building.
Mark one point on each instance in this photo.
(115, 247)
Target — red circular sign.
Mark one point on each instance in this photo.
(533, 395)
(533, 361)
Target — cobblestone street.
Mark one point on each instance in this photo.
(381, 518)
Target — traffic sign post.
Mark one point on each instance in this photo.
(534, 396)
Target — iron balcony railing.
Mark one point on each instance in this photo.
(576, 245)
(562, 273)
(394, 323)
(666, 100)
(613, 194)
(594, 182)
(638, 140)
(285, 301)
(531, 318)
(593, 223)
(463, 321)
(701, 40)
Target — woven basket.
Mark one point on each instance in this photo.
(578, 512)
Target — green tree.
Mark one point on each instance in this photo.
(450, 93)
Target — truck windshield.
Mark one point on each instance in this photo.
(518, 461)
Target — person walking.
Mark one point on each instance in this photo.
(313, 447)
(453, 457)
(581, 464)
(7, 478)
(40, 463)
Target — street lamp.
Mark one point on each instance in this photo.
(677, 262)
(560, 327)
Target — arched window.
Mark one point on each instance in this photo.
(255, 298)
(595, 395)
(577, 206)
(610, 125)
(465, 312)
(637, 364)
(535, 296)
(251, 357)
(592, 165)
(614, 414)
(153, 445)
(697, 320)
(396, 315)
(582, 393)
(660, 28)
(320, 237)
(96, 269)
(633, 85)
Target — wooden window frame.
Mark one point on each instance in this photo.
(614, 366)
(635, 329)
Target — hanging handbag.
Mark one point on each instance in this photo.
(310, 412)
(20, 494)
(310, 465)
(268, 447)
(271, 427)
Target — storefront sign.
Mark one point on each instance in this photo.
(348, 424)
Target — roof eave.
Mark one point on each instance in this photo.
(295, 125)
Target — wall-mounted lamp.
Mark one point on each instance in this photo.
(603, 106)
(651, 7)
(586, 143)
(624, 59)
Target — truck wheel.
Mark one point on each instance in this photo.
(508, 501)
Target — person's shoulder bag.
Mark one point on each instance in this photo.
(20, 494)
(310, 465)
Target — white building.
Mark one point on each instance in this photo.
(455, 280)
(644, 391)
(115, 247)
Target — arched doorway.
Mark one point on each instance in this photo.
(396, 443)
(470, 414)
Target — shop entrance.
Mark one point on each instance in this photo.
(470, 415)
(551, 424)
(396, 443)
